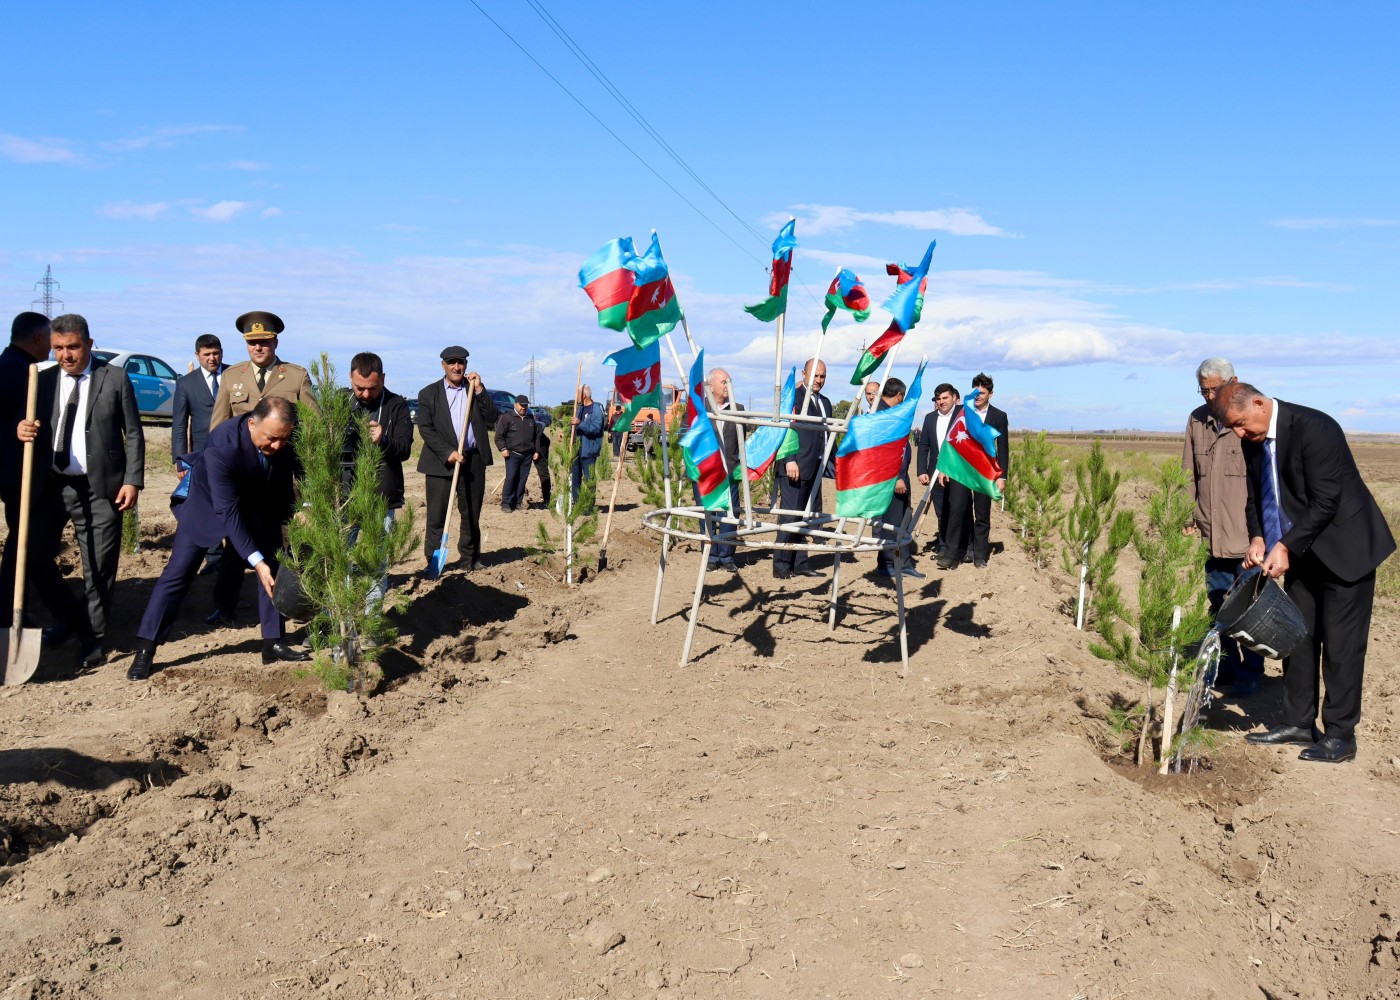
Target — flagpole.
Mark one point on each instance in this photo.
(666, 478)
(612, 503)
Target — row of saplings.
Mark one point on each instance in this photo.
(1155, 638)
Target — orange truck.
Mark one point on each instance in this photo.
(673, 402)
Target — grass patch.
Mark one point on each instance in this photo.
(1388, 576)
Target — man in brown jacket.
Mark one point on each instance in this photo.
(1214, 463)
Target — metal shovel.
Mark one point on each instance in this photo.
(20, 645)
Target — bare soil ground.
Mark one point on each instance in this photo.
(541, 803)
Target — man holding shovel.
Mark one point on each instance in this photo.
(29, 344)
(452, 443)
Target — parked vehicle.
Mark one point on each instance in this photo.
(152, 378)
(542, 415)
(673, 402)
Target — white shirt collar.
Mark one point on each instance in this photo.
(1273, 420)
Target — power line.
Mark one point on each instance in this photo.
(587, 110)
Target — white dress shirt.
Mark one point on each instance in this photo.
(78, 466)
(945, 420)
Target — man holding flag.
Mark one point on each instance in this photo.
(800, 471)
(721, 554)
(969, 458)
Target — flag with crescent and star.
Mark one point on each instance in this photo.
(637, 380)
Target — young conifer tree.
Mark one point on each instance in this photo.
(1033, 495)
(1143, 641)
(1091, 513)
(577, 519)
(338, 543)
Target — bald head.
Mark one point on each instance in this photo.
(814, 374)
(719, 385)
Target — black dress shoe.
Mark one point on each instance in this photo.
(220, 618)
(210, 566)
(56, 635)
(805, 571)
(947, 562)
(140, 667)
(914, 574)
(1284, 734)
(781, 574)
(476, 565)
(1330, 750)
(979, 563)
(278, 652)
(91, 654)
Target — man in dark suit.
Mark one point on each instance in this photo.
(1313, 522)
(971, 513)
(391, 429)
(189, 416)
(892, 561)
(931, 438)
(29, 345)
(241, 490)
(800, 477)
(89, 429)
(721, 554)
(442, 408)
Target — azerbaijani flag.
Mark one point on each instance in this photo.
(969, 454)
(907, 305)
(637, 381)
(609, 280)
(847, 292)
(776, 304)
(871, 455)
(653, 310)
(703, 457)
(761, 448)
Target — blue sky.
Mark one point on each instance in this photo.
(1117, 190)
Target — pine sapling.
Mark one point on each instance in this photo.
(1093, 509)
(1035, 499)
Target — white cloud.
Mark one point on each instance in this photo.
(221, 211)
(816, 220)
(164, 137)
(1334, 223)
(145, 211)
(271, 212)
(250, 165)
(43, 150)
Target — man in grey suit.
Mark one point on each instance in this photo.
(189, 418)
(89, 440)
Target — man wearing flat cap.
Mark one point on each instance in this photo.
(241, 388)
(443, 407)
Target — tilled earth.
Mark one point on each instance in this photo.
(541, 803)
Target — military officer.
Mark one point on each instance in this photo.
(243, 385)
(263, 374)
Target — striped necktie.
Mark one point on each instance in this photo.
(1276, 522)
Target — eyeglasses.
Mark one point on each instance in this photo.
(1208, 393)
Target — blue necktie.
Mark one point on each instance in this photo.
(1276, 523)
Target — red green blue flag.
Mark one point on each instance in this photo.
(847, 292)
(776, 304)
(636, 381)
(609, 280)
(761, 447)
(703, 457)
(871, 455)
(653, 310)
(906, 305)
(968, 454)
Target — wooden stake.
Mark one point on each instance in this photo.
(612, 503)
(569, 511)
(695, 602)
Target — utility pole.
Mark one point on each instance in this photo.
(532, 368)
(49, 286)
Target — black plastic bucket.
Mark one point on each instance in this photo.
(1260, 616)
(288, 597)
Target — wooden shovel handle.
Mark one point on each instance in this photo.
(26, 482)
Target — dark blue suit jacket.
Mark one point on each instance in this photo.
(811, 439)
(232, 496)
(189, 415)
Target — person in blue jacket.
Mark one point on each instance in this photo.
(588, 428)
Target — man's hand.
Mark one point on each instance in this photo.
(375, 431)
(27, 430)
(793, 474)
(180, 473)
(899, 487)
(923, 479)
(505, 452)
(1001, 484)
(474, 381)
(574, 421)
(1254, 555)
(126, 497)
(536, 458)
(265, 576)
(1189, 531)
(455, 458)
(942, 479)
(1277, 562)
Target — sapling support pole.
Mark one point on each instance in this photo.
(569, 516)
(1169, 705)
(612, 504)
(1083, 583)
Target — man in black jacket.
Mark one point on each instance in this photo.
(722, 554)
(29, 345)
(971, 513)
(442, 409)
(195, 393)
(931, 438)
(1313, 522)
(391, 428)
(800, 477)
(518, 440)
(892, 561)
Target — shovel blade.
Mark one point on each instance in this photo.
(19, 652)
(602, 560)
(437, 563)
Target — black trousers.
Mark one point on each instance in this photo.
(169, 593)
(546, 481)
(938, 500)
(471, 490)
(517, 474)
(1339, 622)
(793, 496)
(957, 529)
(9, 495)
(981, 526)
(98, 525)
(894, 517)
